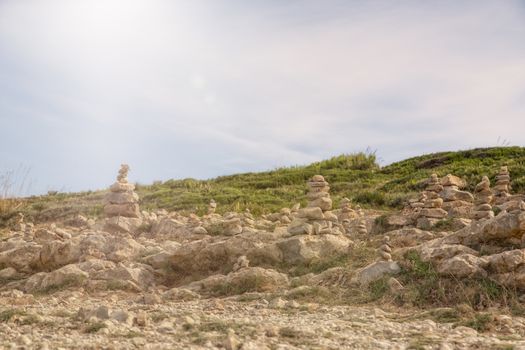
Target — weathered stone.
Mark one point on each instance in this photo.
(67, 276)
(451, 180)
(375, 271)
(464, 265)
(245, 280)
(435, 213)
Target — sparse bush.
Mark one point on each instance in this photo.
(94, 327)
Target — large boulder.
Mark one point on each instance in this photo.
(437, 251)
(508, 261)
(66, 276)
(23, 256)
(250, 279)
(504, 229)
(134, 276)
(304, 249)
(374, 272)
(409, 237)
(124, 224)
(464, 265)
(214, 255)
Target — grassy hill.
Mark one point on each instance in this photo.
(356, 176)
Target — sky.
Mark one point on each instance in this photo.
(203, 88)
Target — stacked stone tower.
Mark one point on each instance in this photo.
(483, 198)
(432, 211)
(122, 199)
(502, 188)
(457, 203)
(317, 217)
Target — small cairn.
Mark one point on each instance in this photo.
(432, 212)
(385, 250)
(286, 216)
(212, 207)
(361, 224)
(416, 204)
(483, 198)
(457, 203)
(295, 209)
(317, 218)
(242, 263)
(20, 225)
(346, 211)
(247, 219)
(502, 188)
(29, 232)
(122, 200)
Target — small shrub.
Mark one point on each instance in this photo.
(94, 327)
(481, 322)
(378, 289)
(6, 315)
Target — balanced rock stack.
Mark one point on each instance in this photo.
(122, 200)
(20, 225)
(361, 224)
(212, 207)
(385, 250)
(483, 195)
(432, 211)
(346, 211)
(456, 202)
(501, 190)
(316, 218)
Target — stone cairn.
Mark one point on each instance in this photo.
(501, 190)
(431, 212)
(29, 232)
(286, 216)
(456, 202)
(385, 250)
(20, 225)
(361, 224)
(295, 209)
(212, 207)
(248, 220)
(483, 198)
(317, 217)
(346, 211)
(122, 199)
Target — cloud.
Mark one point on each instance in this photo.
(206, 88)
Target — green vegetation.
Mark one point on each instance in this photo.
(94, 327)
(356, 176)
(7, 314)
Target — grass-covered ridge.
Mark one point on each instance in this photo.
(356, 176)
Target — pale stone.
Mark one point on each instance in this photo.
(375, 271)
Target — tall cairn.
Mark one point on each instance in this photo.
(502, 188)
(457, 203)
(317, 217)
(483, 198)
(122, 199)
(432, 211)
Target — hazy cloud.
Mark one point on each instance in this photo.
(205, 88)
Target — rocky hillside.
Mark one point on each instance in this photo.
(444, 271)
(355, 176)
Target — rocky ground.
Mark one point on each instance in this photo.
(301, 278)
(119, 320)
